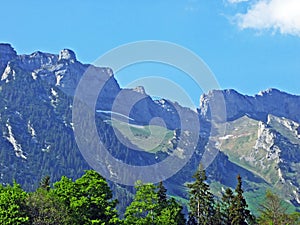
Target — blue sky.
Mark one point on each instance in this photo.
(250, 45)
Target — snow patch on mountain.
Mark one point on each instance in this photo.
(17, 147)
(31, 129)
(46, 148)
(8, 74)
(54, 99)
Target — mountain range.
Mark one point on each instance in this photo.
(255, 136)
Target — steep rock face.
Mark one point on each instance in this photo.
(67, 54)
(278, 103)
(36, 61)
(64, 71)
(283, 149)
(7, 53)
(271, 101)
(142, 109)
(235, 104)
(270, 149)
(266, 140)
(36, 98)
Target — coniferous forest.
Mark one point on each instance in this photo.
(89, 200)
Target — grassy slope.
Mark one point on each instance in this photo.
(150, 138)
(239, 144)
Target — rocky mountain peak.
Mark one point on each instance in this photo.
(7, 50)
(271, 101)
(270, 91)
(220, 100)
(140, 89)
(7, 53)
(67, 54)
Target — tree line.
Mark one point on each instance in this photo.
(89, 200)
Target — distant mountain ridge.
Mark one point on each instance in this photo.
(271, 101)
(36, 97)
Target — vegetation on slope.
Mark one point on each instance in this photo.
(88, 200)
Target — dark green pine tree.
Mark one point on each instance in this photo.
(227, 206)
(201, 199)
(191, 220)
(45, 183)
(240, 214)
(162, 196)
(218, 217)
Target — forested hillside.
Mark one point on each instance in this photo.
(89, 200)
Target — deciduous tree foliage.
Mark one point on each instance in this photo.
(143, 209)
(171, 214)
(12, 205)
(44, 208)
(89, 199)
(274, 211)
(152, 206)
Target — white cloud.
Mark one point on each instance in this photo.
(237, 1)
(276, 15)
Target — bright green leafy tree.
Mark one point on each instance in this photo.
(152, 206)
(169, 210)
(171, 214)
(143, 209)
(88, 199)
(44, 208)
(12, 205)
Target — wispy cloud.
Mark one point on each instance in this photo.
(237, 1)
(191, 9)
(192, 6)
(277, 15)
